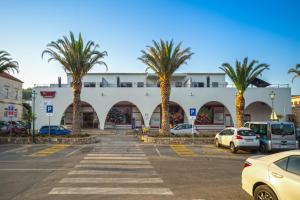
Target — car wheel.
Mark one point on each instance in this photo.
(263, 148)
(233, 149)
(217, 143)
(264, 192)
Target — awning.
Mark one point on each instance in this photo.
(259, 83)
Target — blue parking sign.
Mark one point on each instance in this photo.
(193, 112)
(49, 109)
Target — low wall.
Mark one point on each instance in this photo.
(178, 140)
(47, 140)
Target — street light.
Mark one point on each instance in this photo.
(33, 115)
(272, 96)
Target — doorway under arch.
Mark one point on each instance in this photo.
(258, 111)
(176, 115)
(213, 115)
(124, 114)
(89, 118)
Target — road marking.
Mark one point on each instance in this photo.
(115, 158)
(75, 151)
(157, 151)
(115, 166)
(111, 180)
(143, 162)
(35, 169)
(103, 172)
(51, 150)
(117, 155)
(183, 151)
(17, 149)
(111, 191)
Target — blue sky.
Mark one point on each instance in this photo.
(216, 31)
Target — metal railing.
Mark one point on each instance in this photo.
(134, 85)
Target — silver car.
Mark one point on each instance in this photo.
(183, 129)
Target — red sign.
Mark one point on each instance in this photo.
(10, 113)
(48, 94)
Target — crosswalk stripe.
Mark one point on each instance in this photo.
(114, 158)
(111, 180)
(111, 191)
(116, 155)
(143, 162)
(107, 172)
(114, 166)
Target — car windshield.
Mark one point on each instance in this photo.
(282, 129)
(246, 133)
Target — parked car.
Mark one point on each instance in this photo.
(275, 135)
(275, 176)
(16, 127)
(54, 130)
(183, 129)
(237, 138)
(4, 127)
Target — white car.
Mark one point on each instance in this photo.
(237, 138)
(183, 129)
(275, 176)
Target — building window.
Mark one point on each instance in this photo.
(215, 84)
(197, 84)
(125, 84)
(140, 84)
(178, 84)
(6, 92)
(16, 97)
(5, 112)
(207, 81)
(89, 84)
(16, 113)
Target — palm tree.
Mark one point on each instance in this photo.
(7, 63)
(296, 71)
(242, 77)
(164, 59)
(76, 58)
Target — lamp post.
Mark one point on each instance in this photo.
(272, 96)
(33, 115)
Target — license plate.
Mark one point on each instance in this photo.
(249, 140)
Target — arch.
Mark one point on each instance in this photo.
(213, 115)
(124, 114)
(258, 111)
(89, 117)
(176, 111)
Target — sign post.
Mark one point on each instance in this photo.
(193, 114)
(10, 114)
(49, 111)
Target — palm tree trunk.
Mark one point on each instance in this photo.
(76, 124)
(240, 107)
(165, 96)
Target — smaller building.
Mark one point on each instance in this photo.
(295, 101)
(10, 94)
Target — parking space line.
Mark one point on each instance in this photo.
(51, 150)
(183, 151)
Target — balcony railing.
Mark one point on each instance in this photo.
(135, 85)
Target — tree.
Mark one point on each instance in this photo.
(7, 63)
(27, 94)
(77, 58)
(242, 77)
(296, 71)
(164, 59)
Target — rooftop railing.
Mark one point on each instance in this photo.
(135, 85)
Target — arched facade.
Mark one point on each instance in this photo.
(213, 115)
(89, 118)
(177, 115)
(124, 114)
(258, 111)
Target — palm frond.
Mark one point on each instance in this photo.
(7, 64)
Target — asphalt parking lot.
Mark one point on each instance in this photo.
(120, 167)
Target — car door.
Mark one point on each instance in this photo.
(285, 176)
(228, 136)
(221, 137)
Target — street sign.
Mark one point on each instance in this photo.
(49, 110)
(193, 113)
(10, 111)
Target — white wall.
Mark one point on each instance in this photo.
(185, 97)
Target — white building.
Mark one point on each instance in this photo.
(133, 99)
(10, 95)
